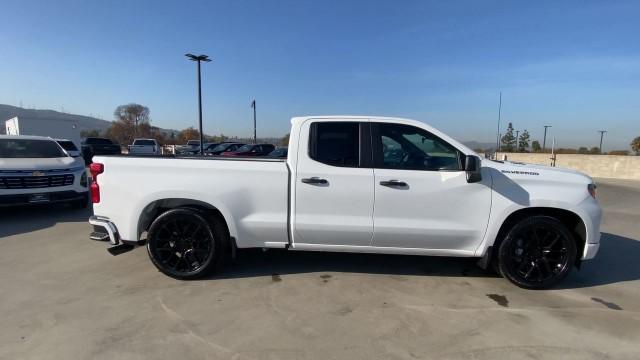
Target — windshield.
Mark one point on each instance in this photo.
(22, 148)
(193, 143)
(68, 145)
(144, 142)
(245, 148)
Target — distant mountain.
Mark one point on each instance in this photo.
(84, 122)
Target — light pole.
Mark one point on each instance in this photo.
(517, 141)
(198, 59)
(601, 136)
(253, 105)
(499, 113)
(544, 140)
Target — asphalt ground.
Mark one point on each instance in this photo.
(63, 296)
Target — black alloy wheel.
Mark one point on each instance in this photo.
(537, 253)
(184, 244)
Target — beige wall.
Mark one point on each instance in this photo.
(605, 166)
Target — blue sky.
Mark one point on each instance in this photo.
(574, 65)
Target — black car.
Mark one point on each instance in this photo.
(224, 147)
(98, 146)
(280, 153)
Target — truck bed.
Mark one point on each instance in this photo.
(251, 193)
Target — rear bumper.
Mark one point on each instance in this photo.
(103, 229)
(53, 197)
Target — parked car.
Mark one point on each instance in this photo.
(251, 150)
(69, 147)
(98, 146)
(345, 188)
(279, 153)
(224, 147)
(145, 147)
(191, 148)
(210, 146)
(36, 170)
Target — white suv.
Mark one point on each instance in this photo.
(36, 170)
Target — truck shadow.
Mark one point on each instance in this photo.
(25, 219)
(616, 262)
(253, 263)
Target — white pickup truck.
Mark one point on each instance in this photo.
(353, 184)
(145, 147)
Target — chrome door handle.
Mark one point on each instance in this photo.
(393, 183)
(314, 180)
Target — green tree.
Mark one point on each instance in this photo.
(535, 146)
(594, 150)
(508, 139)
(635, 145)
(523, 142)
(583, 150)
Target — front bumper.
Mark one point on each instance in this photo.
(590, 251)
(103, 229)
(52, 197)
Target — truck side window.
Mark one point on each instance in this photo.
(335, 143)
(406, 147)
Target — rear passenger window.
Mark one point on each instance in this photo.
(335, 143)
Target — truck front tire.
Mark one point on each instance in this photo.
(537, 253)
(186, 244)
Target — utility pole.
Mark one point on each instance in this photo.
(198, 59)
(601, 136)
(544, 140)
(253, 105)
(517, 140)
(499, 113)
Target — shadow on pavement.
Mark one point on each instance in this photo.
(616, 262)
(252, 262)
(25, 219)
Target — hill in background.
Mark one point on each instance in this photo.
(84, 122)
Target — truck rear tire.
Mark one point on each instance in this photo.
(186, 244)
(537, 253)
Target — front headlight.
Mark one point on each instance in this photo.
(592, 189)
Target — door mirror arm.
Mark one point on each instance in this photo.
(472, 168)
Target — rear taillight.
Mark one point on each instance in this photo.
(95, 169)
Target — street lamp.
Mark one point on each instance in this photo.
(544, 141)
(198, 59)
(601, 136)
(517, 141)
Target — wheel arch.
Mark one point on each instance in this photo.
(570, 219)
(152, 210)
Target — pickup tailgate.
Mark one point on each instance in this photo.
(250, 193)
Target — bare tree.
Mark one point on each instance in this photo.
(131, 121)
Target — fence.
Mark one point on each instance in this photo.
(605, 166)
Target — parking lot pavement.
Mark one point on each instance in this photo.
(63, 296)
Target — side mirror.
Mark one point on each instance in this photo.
(472, 168)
